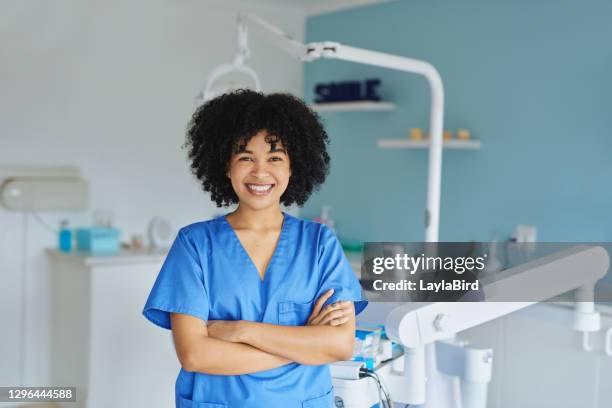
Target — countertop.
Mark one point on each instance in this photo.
(121, 257)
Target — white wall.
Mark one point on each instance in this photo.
(107, 86)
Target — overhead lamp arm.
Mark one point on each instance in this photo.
(334, 50)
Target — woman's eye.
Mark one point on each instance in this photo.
(244, 158)
(276, 158)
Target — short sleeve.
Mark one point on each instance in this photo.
(336, 272)
(179, 286)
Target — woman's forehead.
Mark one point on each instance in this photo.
(262, 140)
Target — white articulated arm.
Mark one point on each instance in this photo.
(418, 324)
(436, 121)
(276, 36)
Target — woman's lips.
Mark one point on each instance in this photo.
(259, 189)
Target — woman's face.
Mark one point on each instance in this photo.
(260, 172)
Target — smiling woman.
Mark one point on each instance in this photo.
(258, 301)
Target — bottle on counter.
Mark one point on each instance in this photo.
(325, 218)
(65, 237)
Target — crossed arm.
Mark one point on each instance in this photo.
(225, 347)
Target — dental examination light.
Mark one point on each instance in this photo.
(214, 87)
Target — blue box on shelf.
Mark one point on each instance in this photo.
(98, 240)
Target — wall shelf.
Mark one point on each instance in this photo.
(424, 144)
(353, 106)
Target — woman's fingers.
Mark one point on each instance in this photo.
(319, 304)
(333, 315)
(338, 322)
(332, 311)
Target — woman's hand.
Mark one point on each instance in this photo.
(228, 330)
(334, 314)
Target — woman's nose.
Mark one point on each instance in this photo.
(260, 169)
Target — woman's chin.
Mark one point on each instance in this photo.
(260, 202)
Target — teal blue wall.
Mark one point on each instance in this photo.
(531, 79)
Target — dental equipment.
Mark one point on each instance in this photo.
(433, 359)
(427, 330)
(236, 66)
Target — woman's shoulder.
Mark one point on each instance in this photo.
(201, 228)
(315, 230)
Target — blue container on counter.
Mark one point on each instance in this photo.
(65, 237)
(98, 240)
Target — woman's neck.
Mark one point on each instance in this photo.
(263, 219)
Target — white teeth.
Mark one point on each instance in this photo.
(259, 187)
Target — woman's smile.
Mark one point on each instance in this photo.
(259, 189)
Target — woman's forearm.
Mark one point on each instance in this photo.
(213, 356)
(312, 345)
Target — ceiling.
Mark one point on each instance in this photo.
(312, 7)
(307, 7)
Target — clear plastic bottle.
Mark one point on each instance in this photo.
(325, 217)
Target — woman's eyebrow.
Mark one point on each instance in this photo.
(274, 149)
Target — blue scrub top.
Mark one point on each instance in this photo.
(208, 274)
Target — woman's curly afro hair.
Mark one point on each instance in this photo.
(222, 125)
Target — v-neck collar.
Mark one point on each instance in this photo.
(244, 252)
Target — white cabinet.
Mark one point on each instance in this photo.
(101, 343)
